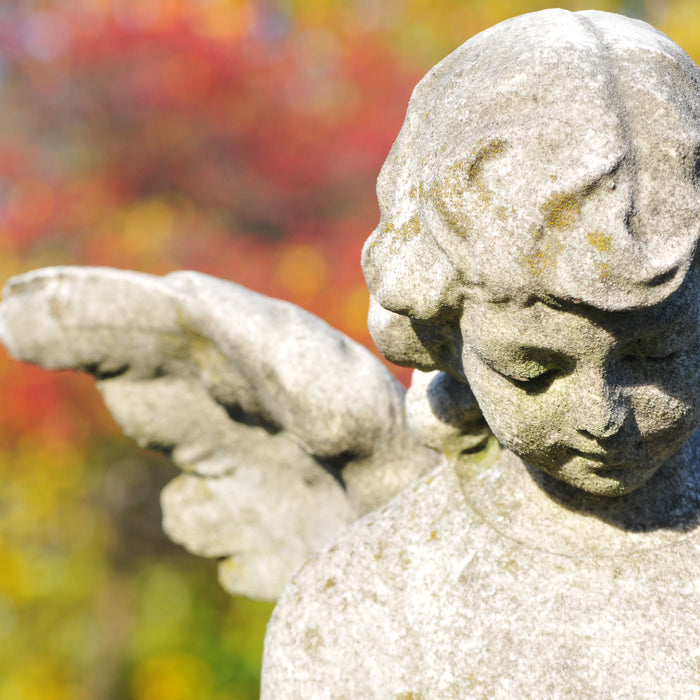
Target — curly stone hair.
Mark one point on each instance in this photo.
(504, 144)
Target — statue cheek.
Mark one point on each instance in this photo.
(658, 412)
(521, 422)
(525, 424)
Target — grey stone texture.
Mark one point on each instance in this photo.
(482, 582)
(523, 523)
(286, 430)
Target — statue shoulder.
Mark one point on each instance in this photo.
(354, 596)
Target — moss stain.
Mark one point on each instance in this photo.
(379, 554)
(600, 241)
(469, 464)
(543, 261)
(511, 566)
(465, 176)
(313, 640)
(410, 229)
(560, 210)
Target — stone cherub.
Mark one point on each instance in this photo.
(536, 262)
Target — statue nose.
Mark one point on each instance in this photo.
(601, 408)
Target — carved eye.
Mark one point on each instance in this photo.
(537, 384)
(660, 348)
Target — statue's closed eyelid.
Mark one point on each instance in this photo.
(665, 344)
(535, 384)
(529, 363)
(533, 375)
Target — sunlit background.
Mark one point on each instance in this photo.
(233, 137)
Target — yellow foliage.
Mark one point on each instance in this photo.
(15, 575)
(147, 227)
(175, 676)
(353, 312)
(681, 20)
(225, 19)
(38, 678)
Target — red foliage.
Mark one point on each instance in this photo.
(158, 146)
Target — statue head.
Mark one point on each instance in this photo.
(540, 213)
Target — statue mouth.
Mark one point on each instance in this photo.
(617, 466)
(613, 459)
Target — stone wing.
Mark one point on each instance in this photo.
(286, 430)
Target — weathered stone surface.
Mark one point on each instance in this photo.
(552, 156)
(474, 583)
(538, 236)
(288, 430)
(443, 413)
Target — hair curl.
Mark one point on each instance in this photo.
(434, 235)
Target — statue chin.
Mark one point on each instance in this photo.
(599, 480)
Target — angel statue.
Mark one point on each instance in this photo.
(523, 523)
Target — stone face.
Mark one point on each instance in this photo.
(537, 241)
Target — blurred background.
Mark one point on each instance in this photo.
(240, 138)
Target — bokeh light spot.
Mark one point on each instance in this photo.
(303, 271)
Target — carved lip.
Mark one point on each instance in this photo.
(607, 460)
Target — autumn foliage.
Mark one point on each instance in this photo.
(234, 137)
